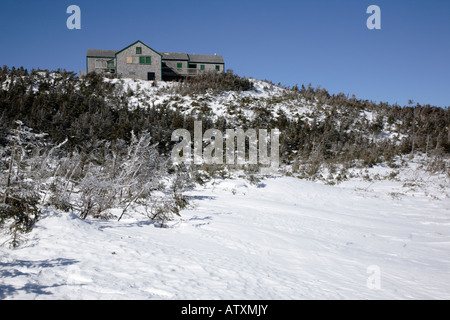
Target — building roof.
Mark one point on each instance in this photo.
(174, 56)
(101, 53)
(139, 41)
(205, 58)
(194, 58)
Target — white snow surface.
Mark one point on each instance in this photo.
(284, 238)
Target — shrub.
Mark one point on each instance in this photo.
(215, 81)
(19, 208)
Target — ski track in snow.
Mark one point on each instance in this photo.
(284, 239)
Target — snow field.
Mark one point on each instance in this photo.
(282, 239)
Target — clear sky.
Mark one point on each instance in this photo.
(322, 42)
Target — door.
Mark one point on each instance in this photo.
(150, 76)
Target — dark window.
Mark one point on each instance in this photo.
(217, 67)
(202, 67)
(138, 50)
(192, 66)
(150, 76)
(179, 65)
(145, 60)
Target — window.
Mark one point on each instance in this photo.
(138, 50)
(145, 60)
(202, 67)
(192, 65)
(179, 65)
(217, 67)
(100, 64)
(110, 64)
(129, 59)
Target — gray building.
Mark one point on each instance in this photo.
(139, 61)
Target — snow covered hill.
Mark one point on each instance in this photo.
(359, 207)
(236, 106)
(283, 238)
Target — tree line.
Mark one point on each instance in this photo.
(77, 145)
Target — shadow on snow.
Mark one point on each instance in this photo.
(19, 268)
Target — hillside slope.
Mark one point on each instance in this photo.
(282, 239)
(92, 207)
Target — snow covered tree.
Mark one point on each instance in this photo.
(117, 175)
(19, 192)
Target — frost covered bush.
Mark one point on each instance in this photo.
(20, 210)
(118, 174)
(162, 210)
(20, 182)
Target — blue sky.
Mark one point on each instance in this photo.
(322, 42)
